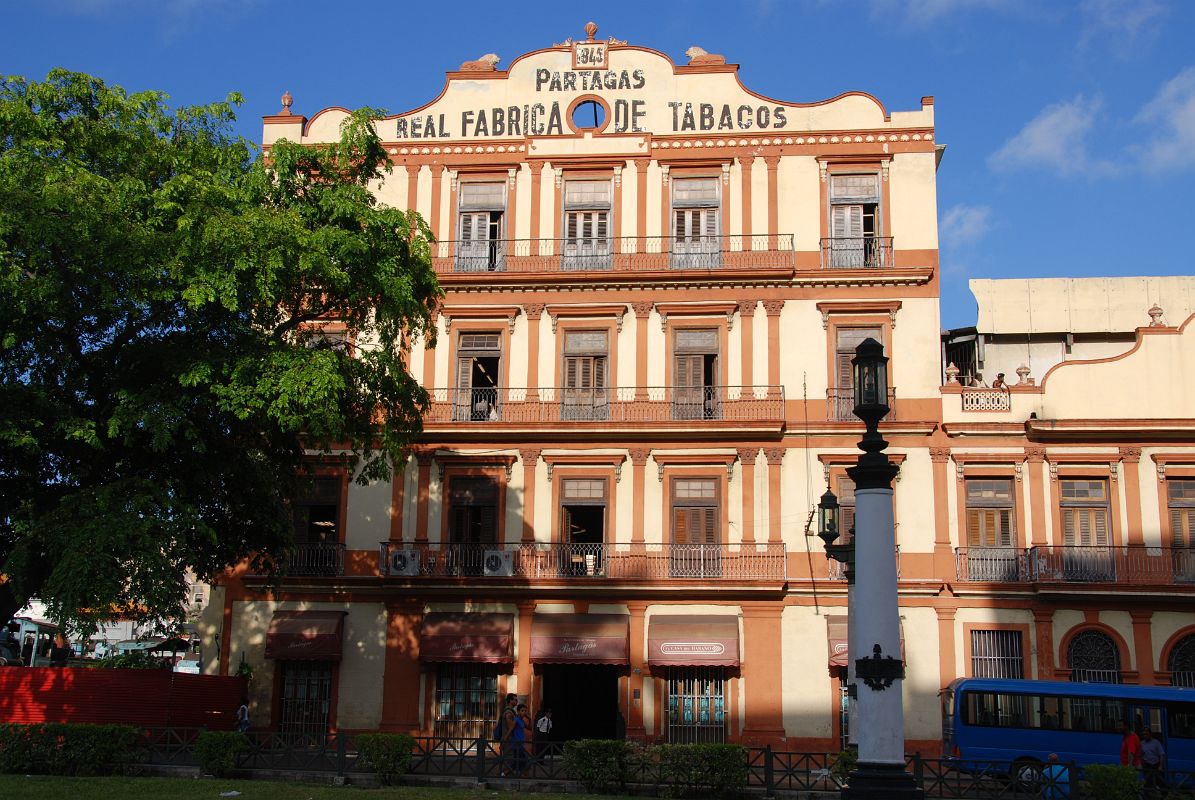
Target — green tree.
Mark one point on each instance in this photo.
(162, 359)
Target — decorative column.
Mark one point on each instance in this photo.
(530, 458)
(413, 186)
(641, 165)
(1036, 456)
(398, 491)
(636, 731)
(400, 681)
(534, 312)
(1131, 457)
(524, 672)
(773, 201)
(946, 663)
(943, 559)
(746, 309)
(429, 358)
(642, 313)
(773, 308)
(1043, 634)
(433, 218)
(423, 457)
(638, 456)
(745, 165)
(747, 458)
(1143, 645)
(775, 455)
(537, 168)
(761, 656)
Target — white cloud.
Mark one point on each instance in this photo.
(1056, 140)
(962, 225)
(1172, 113)
(924, 12)
(1125, 27)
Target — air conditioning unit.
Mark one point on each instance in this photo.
(498, 563)
(404, 561)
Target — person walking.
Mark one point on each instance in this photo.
(504, 731)
(1130, 747)
(242, 718)
(522, 722)
(1153, 762)
(543, 733)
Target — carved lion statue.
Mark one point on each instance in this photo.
(698, 57)
(487, 63)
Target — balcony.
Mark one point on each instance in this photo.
(857, 252)
(585, 562)
(626, 404)
(615, 254)
(1132, 565)
(840, 404)
(317, 560)
(986, 399)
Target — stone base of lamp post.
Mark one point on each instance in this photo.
(881, 782)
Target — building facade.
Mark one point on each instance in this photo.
(654, 281)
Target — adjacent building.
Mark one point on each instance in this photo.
(655, 279)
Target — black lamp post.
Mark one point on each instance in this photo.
(874, 601)
(829, 518)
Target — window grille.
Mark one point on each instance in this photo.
(1182, 663)
(997, 654)
(306, 697)
(1093, 657)
(466, 704)
(696, 705)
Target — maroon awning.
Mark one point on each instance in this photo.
(462, 636)
(837, 632)
(580, 638)
(305, 636)
(696, 640)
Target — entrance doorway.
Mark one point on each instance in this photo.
(584, 701)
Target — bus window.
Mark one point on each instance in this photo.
(1181, 720)
(1050, 714)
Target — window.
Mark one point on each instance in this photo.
(587, 205)
(585, 365)
(1086, 555)
(480, 246)
(473, 522)
(1181, 663)
(1041, 712)
(696, 705)
(846, 506)
(695, 374)
(478, 365)
(842, 392)
(696, 211)
(306, 698)
(1093, 657)
(855, 241)
(997, 654)
(696, 539)
(990, 531)
(1180, 493)
(582, 526)
(466, 702)
(316, 516)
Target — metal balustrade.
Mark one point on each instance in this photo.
(986, 400)
(632, 404)
(320, 559)
(1131, 565)
(840, 404)
(857, 252)
(615, 254)
(585, 562)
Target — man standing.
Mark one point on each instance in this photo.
(1130, 747)
(1153, 761)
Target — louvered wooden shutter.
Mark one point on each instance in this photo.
(846, 373)
(1100, 526)
(847, 222)
(681, 525)
(975, 527)
(572, 225)
(464, 373)
(688, 371)
(708, 518)
(599, 372)
(566, 524)
(1004, 520)
(486, 521)
(571, 371)
(460, 524)
(709, 222)
(1182, 527)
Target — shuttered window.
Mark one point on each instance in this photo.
(587, 205)
(695, 511)
(585, 375)
(847, 339)
(1181, 496)
(989, 513)
(854, 220)
(846, 506)
(1085, 513)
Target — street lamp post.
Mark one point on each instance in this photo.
(829, 522)
(875, 615)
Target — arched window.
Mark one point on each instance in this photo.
(1093, 657)
(1182, 662)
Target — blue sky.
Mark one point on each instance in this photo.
(1070, 126)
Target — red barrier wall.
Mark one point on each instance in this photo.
(146, 697)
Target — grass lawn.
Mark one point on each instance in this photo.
(49, 787)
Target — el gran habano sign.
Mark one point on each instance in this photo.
(636, 91)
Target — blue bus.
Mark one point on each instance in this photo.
(1021, 722)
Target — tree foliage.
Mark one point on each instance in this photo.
(163, 352)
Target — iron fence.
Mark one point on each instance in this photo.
(319, 559)
(1132, 564)
(857, 252)
(840, 403)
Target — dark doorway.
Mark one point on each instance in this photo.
(583, 699)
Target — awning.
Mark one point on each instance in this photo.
(837, 632)
(305, 636)
(580, 638)
(461, 636)
(696, 640)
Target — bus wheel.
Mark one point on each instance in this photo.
(1026, 774)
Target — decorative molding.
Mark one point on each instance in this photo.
(618, 176)
(726, 174)
(1035, 455)
(586, 460)
(642, 309)
(844, 460)
(559, 176)
(823, 171)
(511, 176)
(746, 308)
(530, 457)
(1088, 459)
(939, 455)
(1013, 460)
(480, 312)
(616, 310)
(534, 311)
(1130, 454)
(697, 460)
(665, 310)
(772, 162)
(884, 170)
(775, 455)
(454, 179)
(639, 455)
(748, 455)
(889, 307)
(773, 307)
(1162, 460)
(443, 460)
(664, 168)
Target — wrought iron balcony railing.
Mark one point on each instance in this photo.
(320, 559)
(840, 404)
(584, 562)
(857, 252)
(617, 254)
(648, 404)
(1130, 565)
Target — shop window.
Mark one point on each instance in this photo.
(478, 368)
(1180, 493)
(696, 222)
(696, 538)
(587, 208)
(480, 220)
(990, 531)
(583, 526)
(306, 700)
(466, 700)
(696, 705)
(1092, 657)
(586, 396)
(997, 654)
(696, 394)
(855, 240)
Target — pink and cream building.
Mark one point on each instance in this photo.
(654, 279)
